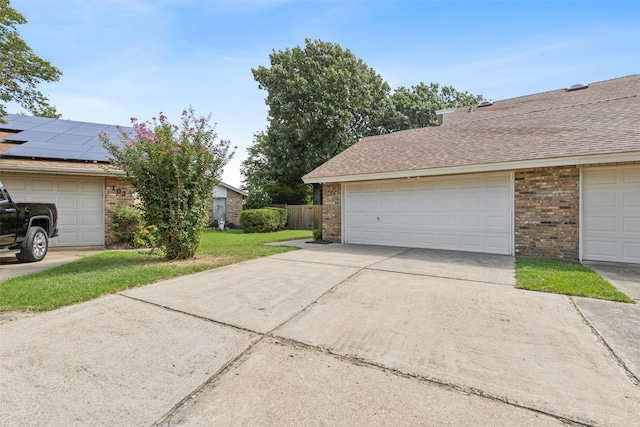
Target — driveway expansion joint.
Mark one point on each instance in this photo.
(632, 377)
(206, 319)
(192, 397)
(360, 361)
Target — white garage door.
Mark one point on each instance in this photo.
(471, 213)
(611, 214)
(79, 201)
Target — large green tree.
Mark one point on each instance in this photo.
(416, 106)
(321, 99)
(21, 70)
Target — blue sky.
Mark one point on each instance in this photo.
(135, 58)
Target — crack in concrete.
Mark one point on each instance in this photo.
(634, 379)
(360, 361)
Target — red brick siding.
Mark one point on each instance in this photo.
(547, 212)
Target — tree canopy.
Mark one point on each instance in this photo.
(416, 107)
(21, 70)
(322, 99)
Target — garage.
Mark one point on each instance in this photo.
(466, 213)
(79, 200)
(611, 214)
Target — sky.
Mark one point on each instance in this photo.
(137, 58)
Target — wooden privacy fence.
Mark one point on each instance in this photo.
(305, 217)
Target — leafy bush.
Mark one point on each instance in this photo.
(125, 220)
(146, 237)
(173, 169)
(283, 215)
(317, 234)
(263, 220)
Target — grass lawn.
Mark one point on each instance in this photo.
(564, 278)
(113, 271)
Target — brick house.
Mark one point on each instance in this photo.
(227, 204)
(554, 174)
(62, 161)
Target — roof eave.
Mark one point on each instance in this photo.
(626, 157)
(60, 170)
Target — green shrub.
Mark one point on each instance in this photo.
(263, 220)
(125, 220)
(283, 217)
(146, 237)
(317, 234)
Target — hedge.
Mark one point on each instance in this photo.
(264, 220)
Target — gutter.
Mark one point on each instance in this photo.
(485, 167)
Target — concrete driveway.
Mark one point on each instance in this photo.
(330, 335)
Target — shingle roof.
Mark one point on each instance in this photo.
(600, 119)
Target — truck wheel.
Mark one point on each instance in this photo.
(35, 246)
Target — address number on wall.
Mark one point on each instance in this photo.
(119, 191)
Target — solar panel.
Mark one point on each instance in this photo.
(59, 139)
(97, 154)
(50, 127)
(65, 138)
(43, 150)
(81, 131)
(32, 135)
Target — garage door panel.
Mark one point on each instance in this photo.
(611, 214)
(68, 186)
(65, 203)
(631, 250)
(41, 185)
(472, 221)
(632, 225)
(601, 224)
(79, 201)
(495, 244)
(631, 199)
(470, 213)
(631, 176)
(471, 242)
(500, 181)
(600, 199)
(602, 176)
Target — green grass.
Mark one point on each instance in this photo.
(567, 278)
(113, 271)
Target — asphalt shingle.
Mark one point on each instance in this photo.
(600, 119)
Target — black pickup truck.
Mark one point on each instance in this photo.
(25, 228)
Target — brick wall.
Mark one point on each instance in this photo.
(331, 212)
(547, 212)
(116, 192)
(234, 207)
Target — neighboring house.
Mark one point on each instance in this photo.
(227, 204)
(555, 174)
(63, 161)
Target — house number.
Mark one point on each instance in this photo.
(119, 191)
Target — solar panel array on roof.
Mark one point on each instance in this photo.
(58, 139)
